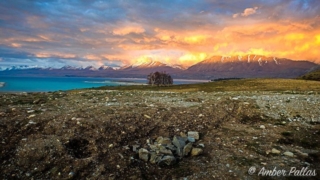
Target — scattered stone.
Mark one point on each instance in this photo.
(191, 139)
(121, 156)
(302, 153)
(193, 134)
(179, 143)
(288, 153)
(31, 116)
(275, 151)
(110, 145)
(262, 127)
(30, 111)
(187, 149)
(165, 141)
(196, 151)
(155, 158)
(163, 150)
(201, 145)
(36, 101)
(167, 160)
(147, 116)
(144, 154)
(135, 147)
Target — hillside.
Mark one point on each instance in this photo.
(312, 75)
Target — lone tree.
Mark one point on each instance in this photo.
(160, 79)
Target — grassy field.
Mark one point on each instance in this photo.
(233, 85)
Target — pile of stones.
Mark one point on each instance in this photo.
(165, 152)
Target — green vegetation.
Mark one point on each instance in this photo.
(313, 75)
(282, 85)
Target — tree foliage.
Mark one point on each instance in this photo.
(160, 79)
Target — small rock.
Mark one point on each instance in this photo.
(153, 147)
(301, 153)
(163, 150)
(191, 139)
(36, 101)
(196, 151)
(187, 149)
(171, 147)
(71, 174)
(110, 145)
(200, 115)
(179, 143)
(32, 122)
(31, 116)
(262, 127)
(193, 134)
(135, 147)
(30, 111)
(167, 160)
(183, 135)
(288, 153)
(121, 156)
(275, 151)
(147, 116)
(144, 154)
(155, 158)
(114, 100)
(165, 141)
(201, 145)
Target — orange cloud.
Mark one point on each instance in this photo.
(127, 29)
(246, 12)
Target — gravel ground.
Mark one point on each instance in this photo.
(92, 134)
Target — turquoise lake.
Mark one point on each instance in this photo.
(45, 84)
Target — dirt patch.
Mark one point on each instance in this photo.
(93, 133)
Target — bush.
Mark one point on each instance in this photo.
(160, 79)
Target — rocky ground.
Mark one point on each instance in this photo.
(97, 134)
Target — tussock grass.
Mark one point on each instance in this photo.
(280, 85)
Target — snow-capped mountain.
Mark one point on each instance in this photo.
(144, 64)
(104, 67)
(17, 67)
(68, 68)
(90, 68)
(249, 66)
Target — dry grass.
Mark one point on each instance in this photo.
(233, 85)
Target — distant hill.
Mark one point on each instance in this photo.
(314, 74)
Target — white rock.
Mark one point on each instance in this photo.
(288, 153)
(275, 151)
(262, 127)
(30, 111)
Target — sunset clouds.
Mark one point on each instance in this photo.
(115, 33)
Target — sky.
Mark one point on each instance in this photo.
(55, 33)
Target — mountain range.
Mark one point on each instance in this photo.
(215, 67)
